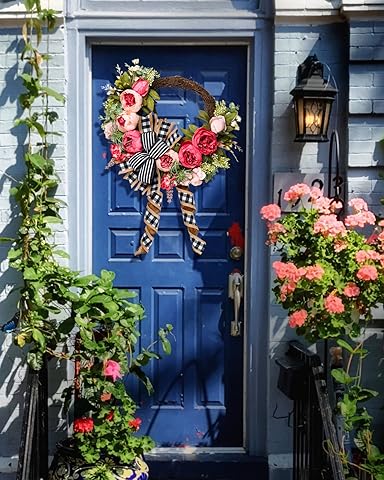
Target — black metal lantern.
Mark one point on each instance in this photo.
(313, 97)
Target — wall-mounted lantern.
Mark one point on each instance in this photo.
(313, 97)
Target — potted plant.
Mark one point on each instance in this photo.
(330, 278)
(105, 443)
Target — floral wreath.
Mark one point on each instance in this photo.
(152, 155)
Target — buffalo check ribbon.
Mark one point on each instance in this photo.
(158, 136)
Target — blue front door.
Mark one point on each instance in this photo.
(199, 388)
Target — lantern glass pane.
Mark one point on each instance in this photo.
(327, 115)
(314, 113)
(300, 116)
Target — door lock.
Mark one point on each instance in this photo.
(235, 292)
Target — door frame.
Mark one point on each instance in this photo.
(256, 33)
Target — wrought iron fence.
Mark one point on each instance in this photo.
(315, 444)
(33, 452)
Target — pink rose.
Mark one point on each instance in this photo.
(198, 177)
(205, 141)
(189, 155)
(165, 162)
(112, 369)
(141, 86)
(132, 141)
(131, 100)
(167, 182)
(127, 121)
(270, 212)
(109, 128)
(297, 319)
(217, 124)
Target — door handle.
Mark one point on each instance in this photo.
(235, 292)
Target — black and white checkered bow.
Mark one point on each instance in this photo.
(155, 145)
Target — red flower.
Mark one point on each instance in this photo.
(205, 141)
(189, 155)
(110, 416)
(135, 423)
(83, 425)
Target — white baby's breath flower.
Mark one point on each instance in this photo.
(135, 61)
(238, 118)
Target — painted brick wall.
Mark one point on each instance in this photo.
(12, 369)
(359, 118)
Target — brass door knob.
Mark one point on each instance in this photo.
(236, 253)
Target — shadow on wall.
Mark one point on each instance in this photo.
(12, 358)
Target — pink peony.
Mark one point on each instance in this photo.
(367, 273)
(297, 319)
(351, 290)
(127, 121)
(333, 304)
(218, 124)
(205, 141)
(165, 162)
(131, 101)
(296, 192)
(117, 155)
(141, 86)
(132, 141)
(189, 155)
(270, 212)
(112, 369)
(358, 205)
(314, 272)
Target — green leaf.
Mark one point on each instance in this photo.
(36, 159)
(35, 360)
(61, 253)
(50, 219)
(85, 281)
(53, 93)
(38, 337)
(166, 344)
(14, 253)
(342, 343)
(342, 376)
(30, 274)
(66, 326)
(6, 239)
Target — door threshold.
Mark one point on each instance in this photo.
(190, 451)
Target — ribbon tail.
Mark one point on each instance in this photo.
(188, 210)
(151, 218)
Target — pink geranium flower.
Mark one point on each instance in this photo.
(364, 255)
(328, 225)
(358, 205)
(334, 304)
(270, 212)
(112, 369)
(296, 192)
(351, 290)
(274, 230)
(314, 272)
(367, 273)
(297, 319)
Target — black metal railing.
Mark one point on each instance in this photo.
(316, 450)
(33, 452)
